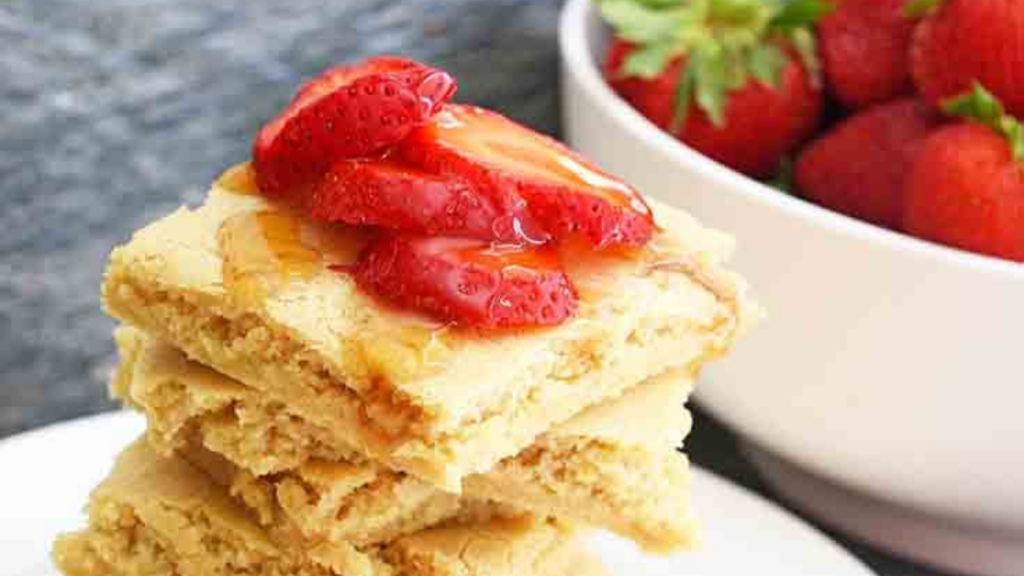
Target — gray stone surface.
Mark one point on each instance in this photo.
(115, 111)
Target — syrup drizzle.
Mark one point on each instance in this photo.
(408, 349)
(494, 139)
(594, 275)
(262, 251)
(597, 274)
(723, 291)
(609, 187)
(265, 250)
(665, 254)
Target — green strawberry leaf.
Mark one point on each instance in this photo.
(684, 94)
(711, 81)
(734, 12)
(648, 61)
(1014, 133)
(982, 106)
(642, 24)
(922, 8)
(766, 62)
(795, 22)
(726, 44)
(806, 45)
(796, 14)
(978, 104)
(660, 3)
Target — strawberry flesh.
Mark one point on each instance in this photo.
(467, 281)
(393, 194)
(345, 74)
(348, 112)
(566, 194)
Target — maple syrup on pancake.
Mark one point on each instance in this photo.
(262, 251)
(239, 179)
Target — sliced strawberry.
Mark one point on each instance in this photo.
(567, 194)
(469, 282)
(393, 194)
(345, 74)
(348, 112)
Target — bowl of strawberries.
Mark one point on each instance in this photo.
(869, 157)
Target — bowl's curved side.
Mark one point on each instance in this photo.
(888, 364)
(582, 35)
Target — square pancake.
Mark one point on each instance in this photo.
(259, 293)
(162, 517)
(615, 465)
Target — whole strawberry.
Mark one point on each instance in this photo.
(967, 186)
(963, 41)
(734, 79)
(864, 47)
(860, 168)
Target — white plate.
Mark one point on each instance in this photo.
(47, 475)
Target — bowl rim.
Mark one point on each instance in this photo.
(580, 62)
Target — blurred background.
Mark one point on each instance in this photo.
(113, 112)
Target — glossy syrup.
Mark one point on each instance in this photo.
(239, 179)
(597, 274)
(264, 251)
(666, 254)
(405, 347)
(488, 136)
(394, 348)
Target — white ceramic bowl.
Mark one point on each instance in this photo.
(887, 365)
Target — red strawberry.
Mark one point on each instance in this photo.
(971, 40)
(344, 74)
(864, 51)
(470, 282)
(347, 112)
(967, 186)
(393, 194)
(505, 161)
(741, 89)
(860, 168)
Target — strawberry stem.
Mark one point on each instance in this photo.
(800, 14)
(922, 8)
(982, 106)
(726, 43)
